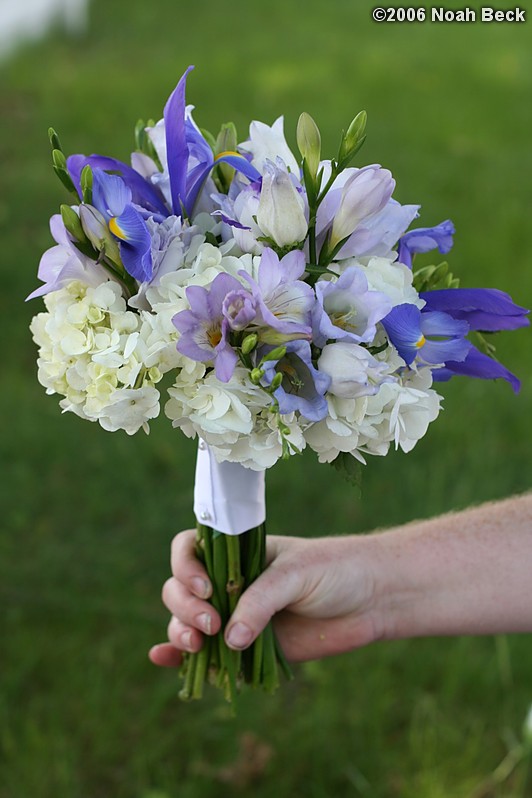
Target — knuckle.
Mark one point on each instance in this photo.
(167, 590)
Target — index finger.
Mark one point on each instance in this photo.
(186, 567)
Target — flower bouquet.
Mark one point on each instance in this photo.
(278, 295)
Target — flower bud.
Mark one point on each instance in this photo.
(86, 184)
(249, 343)
(277, 380)
(281, 211)
(97, 231)
(72, 223)
(256, 376)
(366, 192)
(354, 138)
(276, 354)
(309, 142)
(527, 729)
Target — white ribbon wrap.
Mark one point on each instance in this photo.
(227, 496)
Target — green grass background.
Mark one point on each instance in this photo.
(87, 517)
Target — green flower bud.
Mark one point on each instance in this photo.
(86, 184)
(309, 142)
(527, 729)
(249, 343)
(54, 140)
(276, 354)
(97, 231)
(354, 138)
(256, 375)
(277, 380)
(72, 223)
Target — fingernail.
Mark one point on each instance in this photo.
(204, 621)
(239, 635)
(186, 640)
(200, 587)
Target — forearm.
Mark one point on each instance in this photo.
(463, 573)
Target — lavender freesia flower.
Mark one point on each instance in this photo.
(204, 328)
(303, 386)
(239, 308)
(64, 262)
(377, 235)
(425, 239)
(432, 337)
(283, 301)
(356, 195)
(346, 310)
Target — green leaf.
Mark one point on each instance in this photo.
(486, 346)
(432, 278)
(349, 468)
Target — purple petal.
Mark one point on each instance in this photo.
(403, 327)
(478, 365)
(483, 308)
(177, 151)
(110, 195)
(425, 239)
(143, 193)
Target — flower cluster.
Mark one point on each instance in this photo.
(279, 293)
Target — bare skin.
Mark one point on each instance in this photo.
(463, 573)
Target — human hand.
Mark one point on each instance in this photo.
(319, 592)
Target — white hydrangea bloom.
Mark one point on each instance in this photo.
(219, 412)
(264, 446)
(92, 350)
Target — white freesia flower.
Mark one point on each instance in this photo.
(353, 370)
(267, 143)
(281, 211)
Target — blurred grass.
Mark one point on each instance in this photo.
(88, 517)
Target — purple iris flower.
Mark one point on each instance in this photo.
(143, 193)
(425, 239)
(283, 301)
(346, 310)
(113, 199)
(303, 386)
(486, 309)
(411, 331)
(477, 364)
(190, 158)
(204, 328)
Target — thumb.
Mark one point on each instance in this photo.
(274, 590)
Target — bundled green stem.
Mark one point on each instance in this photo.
(233, 562)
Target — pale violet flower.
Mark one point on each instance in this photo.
(267, 143)
(353, 371)
(346, 310)
(281, 211)
(363, 193)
